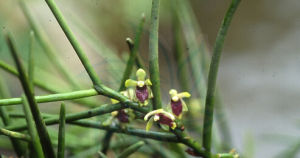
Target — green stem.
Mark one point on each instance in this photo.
(153, 54)
(212, 76)
(47, 48)
(61, 133)
(126, 75)
(131, 149)
(4, 93)
(31, 59)
(138, 60)
(103, 109)
(71, 37)
(40, 84)
(133, 54)
(15, 135)
(160, 136)
(53, 97)
(106, 141)
(35, 141)
(41, 127)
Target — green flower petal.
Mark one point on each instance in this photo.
(149, 123)
(140, 74)
(130, 83)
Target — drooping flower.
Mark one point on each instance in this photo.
(177, 103)
(123, 115)
(160, 116)
(141, 86)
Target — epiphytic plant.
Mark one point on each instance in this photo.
(140, 101)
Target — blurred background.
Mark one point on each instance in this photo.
(259, 72)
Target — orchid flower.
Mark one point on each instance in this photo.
(141, 86)
(160, 116)
(123, 115)
(177, 103)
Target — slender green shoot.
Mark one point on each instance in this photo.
(41, 127)
(61, 133)
(138, 60)
(15, 135)
(153, 54)
(42, 85)
(133, 54)
(212, 76)
(4, 93)
(35, 140)
(71, 37)
(131, 149)
(106, 141)
(53, 97)
(103, 109)
(31, 59)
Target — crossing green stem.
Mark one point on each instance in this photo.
(133, 54)
(61, 132)
(53, 97)
(212, 76)
(35, 140)
(131, 149)
(41, 127)
(153, 54)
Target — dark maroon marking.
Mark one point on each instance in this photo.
(142, 93)
(191, 152)
(176, 107)
(123, 116)
(165, 120)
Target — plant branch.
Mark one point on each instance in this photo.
(212, 76)
(39, 84)
(41, 127)
(15, 135)
(103, 109)
(35, 141)
(153, 54)
(133, 54)
(131, 149)
(61, 133)
(4, 93)
(53, 97)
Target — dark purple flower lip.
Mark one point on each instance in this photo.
(165, 120)
(176, 107)
(142, 93)
(123, 116)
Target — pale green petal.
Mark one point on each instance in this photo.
(184, 106)
(149, 123)
(130, 83)
(140, 74)
(184, 95)
(148, 82)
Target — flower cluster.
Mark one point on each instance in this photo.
(139, 91)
